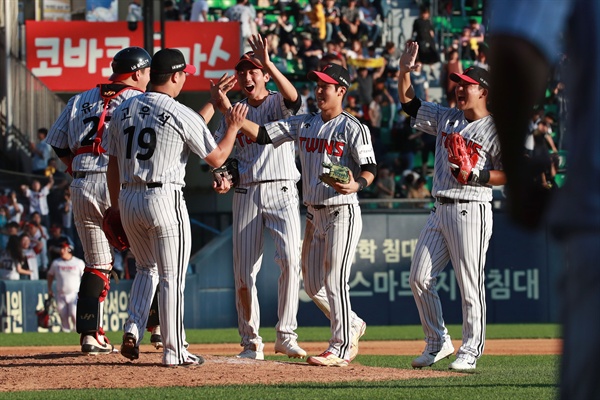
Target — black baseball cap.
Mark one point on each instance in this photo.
(331, 73)
(474, 75)
(167, 61)
(249, 59)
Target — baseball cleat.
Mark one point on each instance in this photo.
(95, 344)
(460, 364)
(252, 354)
(190, 361)
(355, 339)
(129, 347)
(155, 338)
(290, 348)
(427, 359)
(327, 359)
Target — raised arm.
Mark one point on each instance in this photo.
(218, 97)
(235, 117)
(260, 47)
(407, 63)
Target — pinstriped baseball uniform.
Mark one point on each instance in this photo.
(333, 221)
(152, 136)
(76, 127)
(267, 197)
(459, 232)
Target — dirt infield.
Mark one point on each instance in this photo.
(37, 368)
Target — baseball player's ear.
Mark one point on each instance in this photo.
(267, 77)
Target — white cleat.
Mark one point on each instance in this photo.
(290, 348)
(355, 339)
(460, 364)
(327, 359)
(427, 359)
(252, 352)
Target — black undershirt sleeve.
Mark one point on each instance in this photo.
(61, 152)
(412, 107)
(263, 136)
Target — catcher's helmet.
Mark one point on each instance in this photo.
(129, 60)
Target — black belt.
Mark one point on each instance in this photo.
(318, 207)
(447, 200)
(150, 185)
(79, 175)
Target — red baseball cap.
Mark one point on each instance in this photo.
(474, 75)
(248, 58)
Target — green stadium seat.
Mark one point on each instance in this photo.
(560, 180)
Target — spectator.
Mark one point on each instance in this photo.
(419, 191)
(407, 140)
(420, 83)
(41, 153)
(423, 33)
(353, 108)
(285, 32)
(451, 66)
(391, 56)
(170, 11)
(29, 248)
(13, 262)
(134, 11)
(477, 30)
(386, 186)
(39, 238)
(185, 10)
(481, 58)
(65, 211)
(15, 209)
(368, 17)
(350, 24)
(38, 198)
(467, 45)
(292, 8)
(67, 270)
(309, 52)
(316, 17)
(333, 16)
(55, 243)
(199, 12)
(243, 14)
(305, 94)
(366, 82)
(3, 224)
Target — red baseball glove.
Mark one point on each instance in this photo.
(459, 158)
(113, 229)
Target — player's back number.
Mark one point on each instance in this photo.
(145, 140)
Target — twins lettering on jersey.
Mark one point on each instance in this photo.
(319, 145)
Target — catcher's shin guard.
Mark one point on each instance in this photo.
(92, 292)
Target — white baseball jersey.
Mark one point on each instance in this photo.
(67, 275)
(342, 140)
(151, 136)
(75, 128)
(456, 231)
(333, 221)
(267, 197)
(8, 268)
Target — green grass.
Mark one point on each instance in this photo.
(496, 377)
(305, 334)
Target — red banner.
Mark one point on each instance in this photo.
(75, 56)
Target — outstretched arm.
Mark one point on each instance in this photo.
(235, 117)
(407, 63)
(260, 47)
(218, 97)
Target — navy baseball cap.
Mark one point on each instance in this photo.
(331, 73)
(249, 59)
(473, 75)
(167, 61)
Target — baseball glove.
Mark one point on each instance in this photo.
(113, 229)
(459, 158)
(337, 173)
(229, 170)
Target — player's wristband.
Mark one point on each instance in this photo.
(479, 176)
(362, 183)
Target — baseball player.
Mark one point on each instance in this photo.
(78, 139)
(333, 220)
(460, 225)
(67, 270)
(265, 198)
(149, 142)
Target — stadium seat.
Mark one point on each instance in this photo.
(560, 180)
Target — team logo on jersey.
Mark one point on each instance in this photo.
(463, 212)
(306, 125)
(318, 145)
